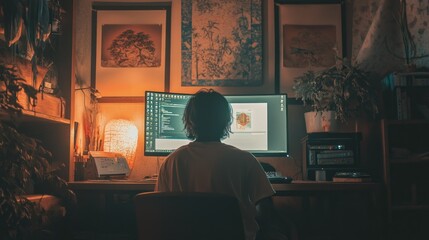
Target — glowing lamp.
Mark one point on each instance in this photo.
(121, 136)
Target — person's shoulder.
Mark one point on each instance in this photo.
(238, 151)
(178, 152)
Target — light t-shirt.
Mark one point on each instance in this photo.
(221, 168)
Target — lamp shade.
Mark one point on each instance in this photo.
(121, 136)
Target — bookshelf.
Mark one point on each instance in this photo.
(55, 129)
(405, 149)
(405, 145)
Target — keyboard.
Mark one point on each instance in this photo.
(276, 177)
(144, 180)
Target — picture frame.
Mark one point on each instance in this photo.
(216, 49)
(130, 49)
(309, 35)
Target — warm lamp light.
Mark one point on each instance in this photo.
(121, 136)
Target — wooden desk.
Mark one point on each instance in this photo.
(295, 188)
(114, 185)
(107, 204)
(335, 210)
(298, 186)
(311, 188)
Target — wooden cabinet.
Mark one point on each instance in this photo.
(56, 133)
(406, 167)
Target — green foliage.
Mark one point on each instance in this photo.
(16, 213)
(22, 159)
(342, 88)
(24, 164)
(10, 85)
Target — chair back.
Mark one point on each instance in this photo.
(188, 216)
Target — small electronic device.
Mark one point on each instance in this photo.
(105, 165)
(327, 153)
(259, 123)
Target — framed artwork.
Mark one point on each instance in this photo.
(130, 48)
(309, 35)
(222, 43)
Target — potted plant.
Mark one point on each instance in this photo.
(338, 93)
(25, 165)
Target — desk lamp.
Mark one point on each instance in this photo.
(121, 136)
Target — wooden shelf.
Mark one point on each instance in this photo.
(31, 116)
(36, 116)
(405, 122)
(409, 160)
(410, 207)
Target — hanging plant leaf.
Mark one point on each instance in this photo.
(13, 12)
(30, 91)
(32, 22)
(37, 24)
(44, 21)
(37, 21)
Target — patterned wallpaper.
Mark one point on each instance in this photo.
(418, 19)
(373, 22)
(363, 14)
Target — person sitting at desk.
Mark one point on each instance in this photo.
(208, 165)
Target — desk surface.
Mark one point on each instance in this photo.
(296, 187)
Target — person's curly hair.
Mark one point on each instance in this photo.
(207, 116)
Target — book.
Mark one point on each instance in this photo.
(351, 177)
(398, 96)
(405, 105)
(351, 180)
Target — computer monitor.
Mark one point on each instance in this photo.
(259, 123)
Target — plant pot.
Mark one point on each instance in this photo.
(321, 122)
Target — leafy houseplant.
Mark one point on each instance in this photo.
(342, 88)
(24, 165)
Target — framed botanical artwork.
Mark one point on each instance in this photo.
(309, 35)
(222, 43)
(130, 48)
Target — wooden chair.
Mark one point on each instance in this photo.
(187, 216)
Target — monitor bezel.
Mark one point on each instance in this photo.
(256, 154)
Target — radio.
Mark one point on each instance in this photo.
(330, 155)
(330, 152)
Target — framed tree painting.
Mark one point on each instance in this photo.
(309, 35)
(222, 43)
(130, 48)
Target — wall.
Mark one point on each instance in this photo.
(359, 16)
(135, 112)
